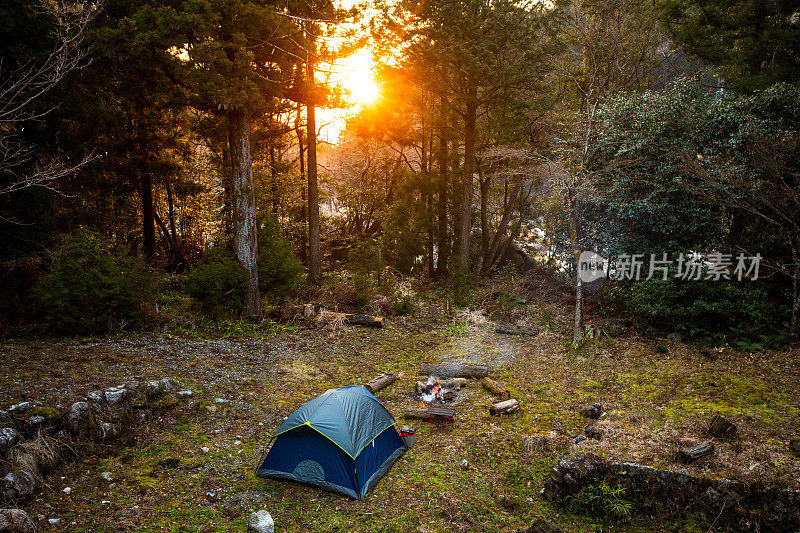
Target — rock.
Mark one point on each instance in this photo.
(19, 485)
(543, 526)
(580, 438)
(54, 521)
(116, 395)
(36, 421)
(8, 438)
(675, 336)
(794, 445)
(593, 433)
(186, 393)
(106, 476)
(464, 464)
(237, 443)
(67, 490)
(261, 522)
(21, 408)
(168, 385)
(107, 432)
(97, 397)
(205, 449)
(592, 411)
(132, 386)
(154, 390)
(16, 521)
(80, 420)
(6, 420)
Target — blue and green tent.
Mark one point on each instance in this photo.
(343, 441)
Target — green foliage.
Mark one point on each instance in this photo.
(92, 288)
(278, 269)
(602, 499)
(463, 287)
(366, 258)
(403, 305)
(219, 283)
(661, 347)
(363, 290)
(712, 310)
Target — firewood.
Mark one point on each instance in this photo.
(495, 388)
(352, 319)
(380, 382)
(455, 370)
(420, 387)
(720, 427)
(504, 407)
(411, 413)
(690, 455)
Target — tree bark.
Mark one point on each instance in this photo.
(469, 170)
(495, 388)
(505, 407)
(484, 187)
(577, 332)
(442, 243)
(303, 206)
(148, 221)
(491, 255)
(245, 236)
(314, 258)
(380, 382)
(455, 370)
(227, 193)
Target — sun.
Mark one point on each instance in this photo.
(356, 75)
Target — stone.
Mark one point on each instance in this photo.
(16, 521)
(54, 521)
(80, 420)
(543, 526)
(593, 433)
(464, 464)
(185, 393)
(106, 476)
(168, 385)
(154, 390)
(97, 397)
(675, 337)
(592, 411)
(36, 421)
(67, 490)
(580, 438)
(107, 432)
(19, 485)
(794, 445)
(8, 438)
(21, 408)
(6, 420)
(116, 395)
(261, 522)
(132, 386)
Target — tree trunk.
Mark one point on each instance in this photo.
(455, 370)
(148, 222)
(495, 388)
(577, 332)
(245, 236)
(314, 259)
(484, 186)
(794, 325)
(442, 241)
(303, 206)
(469, 170)
(227, 193)
(491, 254)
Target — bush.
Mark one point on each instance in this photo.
(92, 288)
(710, 310)
(278, 269)
(219, 284)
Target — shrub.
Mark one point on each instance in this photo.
(710, 310)
(366, 259)
(219, 284)
(92, 288)
(602, 499)
(278, 269)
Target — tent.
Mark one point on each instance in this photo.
(343, 441)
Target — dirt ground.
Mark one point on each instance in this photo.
(246, 380)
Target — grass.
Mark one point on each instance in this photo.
(653, 397)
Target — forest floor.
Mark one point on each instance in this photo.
(653, 398)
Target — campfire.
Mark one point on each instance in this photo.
(439, 391)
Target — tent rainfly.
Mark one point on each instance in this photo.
(343, 441)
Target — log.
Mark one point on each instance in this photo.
(513, 329)
(505, 407)
(495, 388)
(453, 383)
(380, 382)
(420, 387)
(353, 319)
(411, 413)
(720, 427)
(690, 455)
(455, 370)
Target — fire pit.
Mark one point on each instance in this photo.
(436, 391)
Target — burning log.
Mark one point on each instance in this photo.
(690, 455)
(495, 388)
(720, 427)
(504, 407)
(380, 382)
(455, 370)
(352, 319)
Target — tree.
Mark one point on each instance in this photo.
(754, 43)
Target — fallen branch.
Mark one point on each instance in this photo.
(495, 388)
(455, 370)
(380, 382)
(353, 319)
(504, 408)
